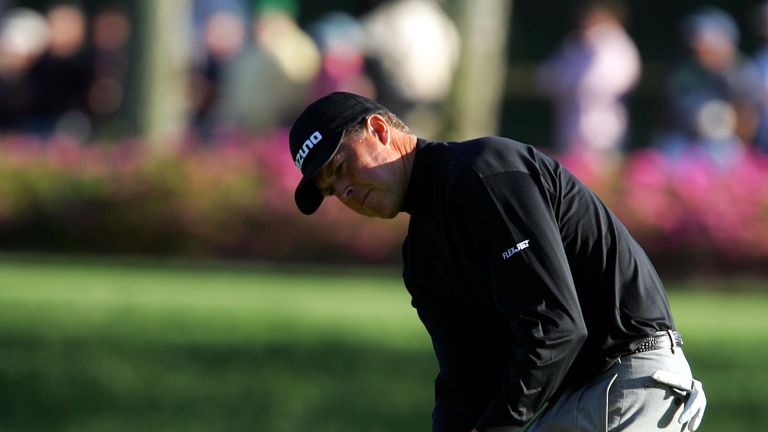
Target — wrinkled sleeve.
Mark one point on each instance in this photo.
(512, 230)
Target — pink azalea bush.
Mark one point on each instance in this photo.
(690, 212)
(235, 199)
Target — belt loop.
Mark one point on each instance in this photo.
(672, 340)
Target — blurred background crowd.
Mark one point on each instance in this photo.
(75, 67)
(70, 67)
(663, 100)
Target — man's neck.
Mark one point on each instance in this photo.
(406, 145)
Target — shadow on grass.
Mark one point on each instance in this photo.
(100, 384)
(107, 385)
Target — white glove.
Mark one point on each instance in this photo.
(697, 401)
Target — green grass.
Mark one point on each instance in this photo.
(104, 346)
(726, 337)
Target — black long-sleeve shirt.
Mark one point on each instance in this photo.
(526, 282)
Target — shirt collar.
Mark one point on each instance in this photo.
(417, 185)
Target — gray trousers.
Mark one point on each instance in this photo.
(624, 398)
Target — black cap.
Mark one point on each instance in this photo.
(315, 137)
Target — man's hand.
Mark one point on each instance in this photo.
(697, 401)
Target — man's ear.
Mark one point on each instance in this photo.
(379, 128)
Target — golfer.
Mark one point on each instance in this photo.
(543, 311)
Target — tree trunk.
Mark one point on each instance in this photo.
(479, 83)
(164, 72)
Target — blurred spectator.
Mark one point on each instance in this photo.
(714, 94)
(761, 62)
(62, 77)
(269, 83)
(342, 43)
(587, 78)
(23, 39)
(414, 50)
(222, 39)
(111, 32)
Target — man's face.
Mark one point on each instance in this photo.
(366, 174)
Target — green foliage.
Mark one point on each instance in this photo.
(726, 337)
(234, 199)
(99, 345)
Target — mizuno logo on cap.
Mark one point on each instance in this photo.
(304, 150)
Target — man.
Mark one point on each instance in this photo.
(535, 295)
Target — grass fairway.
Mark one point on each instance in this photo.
(123, 347)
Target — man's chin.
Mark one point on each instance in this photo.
(376, 213)
(387, 216)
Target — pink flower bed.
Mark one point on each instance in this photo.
(235, 199)
(690, 211)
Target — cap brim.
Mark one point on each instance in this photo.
(307, 196)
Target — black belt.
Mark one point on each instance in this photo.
(669, 339)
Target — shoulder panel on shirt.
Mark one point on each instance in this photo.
(492, 155)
